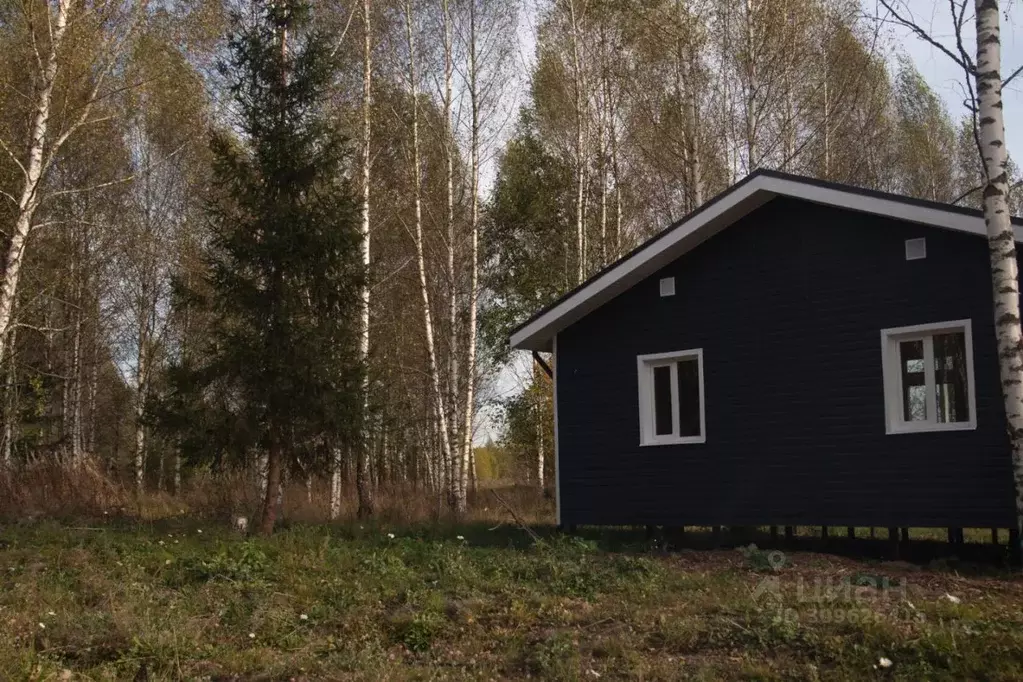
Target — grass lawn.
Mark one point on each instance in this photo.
(185, 600)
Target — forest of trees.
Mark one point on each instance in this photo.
(264, 234)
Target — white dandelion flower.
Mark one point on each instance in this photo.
(459, 537)
(390, 535)
(50, 613)
(884, 662)
(42, 626)
(252, 635)
(303, 617)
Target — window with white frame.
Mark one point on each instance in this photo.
(671, 407)
(928, 377)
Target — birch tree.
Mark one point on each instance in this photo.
(44, 141)
(578, 94)
(450, 472)
(487, 48)
(362, 483)
(439, 395)
(1001, 239)
(984, 84)
(168, 162)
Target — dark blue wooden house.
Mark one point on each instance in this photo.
(795, 352)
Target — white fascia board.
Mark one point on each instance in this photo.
(537, 334)
(889, 208)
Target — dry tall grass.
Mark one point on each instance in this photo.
(58, 490)
(52, 489)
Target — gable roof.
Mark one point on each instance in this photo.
(537, 333)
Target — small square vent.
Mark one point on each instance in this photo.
(667, 287)
(916, 249)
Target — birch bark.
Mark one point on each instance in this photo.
(440, 405)
(580, 162)
(142, 382)
(449, 153)
(1002, 244)
(33, 175)
(362, 483)
(468, 409)
(10, 406)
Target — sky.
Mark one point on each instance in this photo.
(944, 75)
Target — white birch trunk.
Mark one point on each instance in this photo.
(10, 406)
(361, 482)
(429, 464)
(827, 130)
(336, 463)
(616, 178)
(680, 97)
(468, 409)
(431, 350)
(602, 147)
(752, 153)
(142, 370)
(90, 435)
(688, 104)
(473, 477)
(147, 323)
(33, 175)
(65, 417)
(696, 148)
(8, 437)
(77, 454)
(1002, 245)
(580, 161)
(539, 441)
(453, 379)
(604, 123)
(727, 96)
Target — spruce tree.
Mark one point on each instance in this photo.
(284, 261)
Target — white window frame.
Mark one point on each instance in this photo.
(890, 340)
(645, 365)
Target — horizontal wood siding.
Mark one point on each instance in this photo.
(788, 306)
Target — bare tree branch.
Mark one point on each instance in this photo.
(923, 35)
(341, 39)
(1011, 76)
(14, 158)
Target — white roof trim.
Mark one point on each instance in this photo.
(742, 200)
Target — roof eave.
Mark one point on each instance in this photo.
(538, 333)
